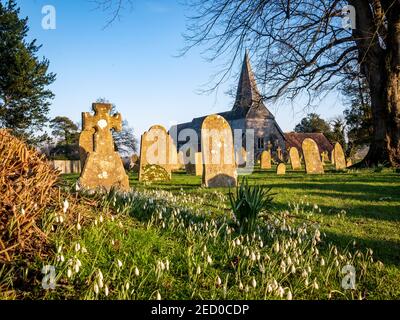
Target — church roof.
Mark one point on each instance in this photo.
(295, 139)
(247, 94)
(248, 98)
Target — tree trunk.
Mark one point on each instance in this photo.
(381, 66)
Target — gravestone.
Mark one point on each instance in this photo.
(195, 168)
(134, 164)
(340, 160)
(157, 155)
(266, 159)
(349, 163)
(325, 157)
(294, 158)
(103, 167)
(241, 157)
(218, 153)
(279, 153)
(281, 169)
(312, 157)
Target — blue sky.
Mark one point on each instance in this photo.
(133, 64)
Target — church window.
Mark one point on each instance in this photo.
(260, 143)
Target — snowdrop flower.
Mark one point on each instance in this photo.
(127, 286)
(281, 292)
(253, 283)
(293, 269)
(77, 247)
(106, 290)
(96, 289)
(240, 286)
(261, 244)
(209, 260)
(69, 273)
(322, 262)
(65, 206)
(198, 270)
(167, 265)
(315, 284)
(276, 247)
(289, 295)
(137, 272)
(78, 226)
(238, 242)
(59, 249)
(158, 297)
(218, 282)
(23, 211)
(247, 252)
(253, 257)
(119, 262)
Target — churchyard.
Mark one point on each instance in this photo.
(226, 206)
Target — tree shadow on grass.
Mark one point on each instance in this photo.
(384, 250)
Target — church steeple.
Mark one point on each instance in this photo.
(247, 93)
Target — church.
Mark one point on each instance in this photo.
(250, 112)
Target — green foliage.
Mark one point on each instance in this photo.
(64, 130)
(249, 203)
(24, 97)
(313, 123)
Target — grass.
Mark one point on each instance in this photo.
(356, 210)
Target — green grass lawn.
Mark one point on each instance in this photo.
(355, 209)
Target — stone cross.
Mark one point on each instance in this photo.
(103, 123)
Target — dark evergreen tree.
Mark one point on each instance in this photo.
(24, 96)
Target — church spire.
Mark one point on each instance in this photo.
(247, 93)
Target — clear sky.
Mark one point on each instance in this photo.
(133, 64)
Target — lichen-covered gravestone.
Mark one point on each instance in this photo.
(266, 159)
(281, 169)
(157, 155)
(312, 157)
(294, 158)
(340, 160)
(218, 153)
(103, 167)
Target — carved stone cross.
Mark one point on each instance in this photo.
(102, 122)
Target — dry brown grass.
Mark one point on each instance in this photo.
(27, 190)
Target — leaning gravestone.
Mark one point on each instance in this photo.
(281, 169)
(266, 159)
(103, 166)
(294, 158)
(340, 160)
(218, 153)
(156, 155)
(312, 157)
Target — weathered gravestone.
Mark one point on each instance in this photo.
(349, 163)
(241, 157)
(279, 153)
(266, 159)
(325, 157)
(157, 155)
(312, 157)
(294, 158)
(218, 153)
(281, 169)
(103, 167)
(195, 164)
(340, 160)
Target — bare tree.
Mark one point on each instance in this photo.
(301, 46)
